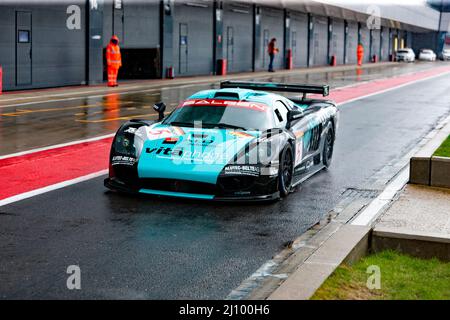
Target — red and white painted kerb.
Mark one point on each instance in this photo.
(29, 173)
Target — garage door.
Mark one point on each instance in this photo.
(337, 41)
(402, 39)
(272, 26)
(409, 39)
(320, 41)
(137, 26)
(352, 42)
(237, 37)
(365, 40)
(299, 39)
(384, 44)
(192, 38)
(375, 49)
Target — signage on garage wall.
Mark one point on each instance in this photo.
(118, 4)
(94, 4)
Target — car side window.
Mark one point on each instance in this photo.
(281, 112)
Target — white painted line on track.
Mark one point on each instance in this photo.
(52, 187)
(393, 88)
(56, 146)
(375, 208)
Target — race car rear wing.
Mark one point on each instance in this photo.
(324, 90)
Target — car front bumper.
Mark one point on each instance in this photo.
(118, 185)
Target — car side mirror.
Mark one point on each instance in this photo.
(160, 107)
(294, 115)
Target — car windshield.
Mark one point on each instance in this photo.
(223, 114)
(403, 51)
(426, 51)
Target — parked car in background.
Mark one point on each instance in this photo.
(445, 54)
(427, 55)
(405, 54)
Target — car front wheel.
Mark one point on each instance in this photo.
(327, 153)
(286, 171)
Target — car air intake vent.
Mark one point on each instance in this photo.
(232, 183)
(176, 185)
(315, 138)
(226, 95)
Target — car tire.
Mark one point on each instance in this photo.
(286, 171)
(328, 146)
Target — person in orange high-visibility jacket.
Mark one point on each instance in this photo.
(113, 61)
(360, 54)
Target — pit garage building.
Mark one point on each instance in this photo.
(58, 43)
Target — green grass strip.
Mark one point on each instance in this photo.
(444, 149)
(402, 278)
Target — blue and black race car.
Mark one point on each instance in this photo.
(239, 142)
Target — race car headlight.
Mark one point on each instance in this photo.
(129, 141)
(124, 145)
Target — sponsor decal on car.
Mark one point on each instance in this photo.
(123, 160)
(159, 133)
(170, 140)
(164, 151)
(242, 170)
(305, 167)
(200, 139)
(131, 130)
(298, 150)
(256, 106)
(241, 134)
(179, 153)
(177, 131)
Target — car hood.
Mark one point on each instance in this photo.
(196, 154)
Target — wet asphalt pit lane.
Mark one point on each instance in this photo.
(145, 247)
(257, 219)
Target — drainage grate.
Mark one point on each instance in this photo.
(360, 193)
